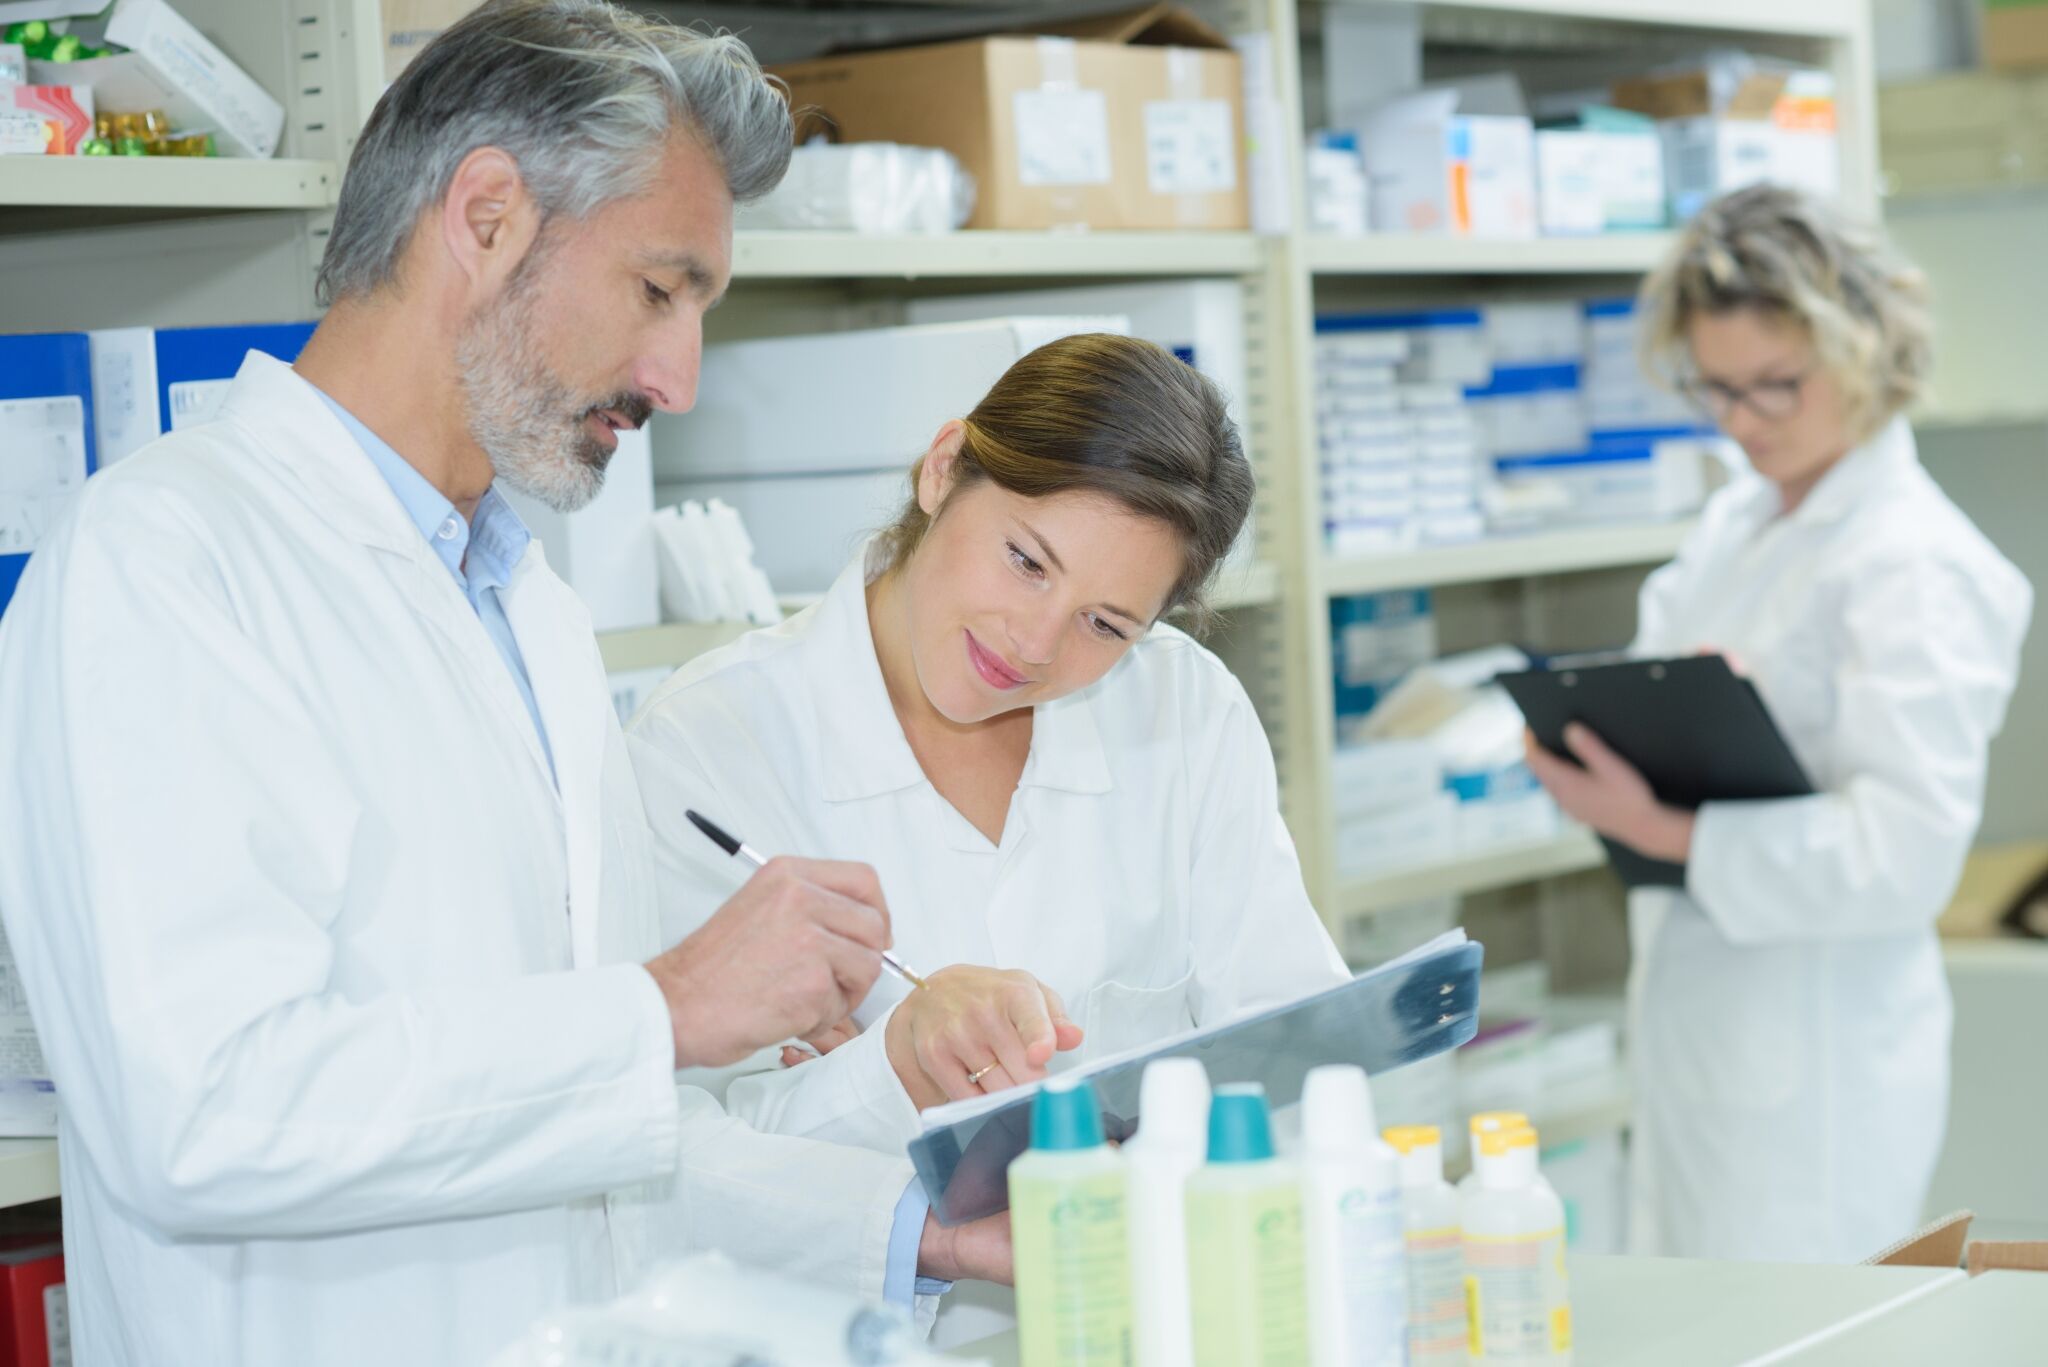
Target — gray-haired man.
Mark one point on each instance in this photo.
(317, 843)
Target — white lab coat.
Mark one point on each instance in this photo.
(1790, 1014)
(1144, 872)
(342, 999)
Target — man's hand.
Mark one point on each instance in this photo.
(794, 951)
(974, 1030)
(1606, 792)
(976, 1251)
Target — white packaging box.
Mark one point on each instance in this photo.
(1340, 406)
(1384, 775)
(1450, 528)
(1708, 157)
(1592, 181)
(1362, 539)
(1200, 321)
(1423, 833)
(1379, 347)
(811, 437)
(1627, 477)
(1458, 160)
(1530, 410)
(1526, 334)
(1443, 509)
(28, 1099)
(605, 550)
(1334, 187)
(172, 67)
(1496, 822)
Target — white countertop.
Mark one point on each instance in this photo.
(1680, 1313)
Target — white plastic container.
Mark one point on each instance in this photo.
(1517, 1298)
(1172, 1139)
(1437, 1335)
(1352, 1226)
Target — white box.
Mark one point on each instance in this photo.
(1200, 321)
(1591, 181)
(1497, 822)
(1536, 333)
(1437, 168)
(173, 67)
(28, 1099)
(811, 437)
(1382, 775)
(1623, 477)
(605, 550)
(1424, 833)
(149, 381)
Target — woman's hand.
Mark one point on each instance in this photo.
(1609, 795)
(972, 1030)
(821, 1044)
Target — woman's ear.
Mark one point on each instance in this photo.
(935, 472)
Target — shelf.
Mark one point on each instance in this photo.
(1807, 18)
(1394, 254)
(28, 1171)
(172, 185)
(1573, 853)
(1518, 557)
(669, 646)
(1973, 421)
(760, 255)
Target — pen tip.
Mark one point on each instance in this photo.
(717, 834)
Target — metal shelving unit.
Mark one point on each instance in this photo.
(989, 255)
(168, 185)
(1618, 254)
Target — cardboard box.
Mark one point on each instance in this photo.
(1458, 160)
(44, 120)
(1134, 120)
(35, 1320)
(1732, 122)
(812, 479)
(173, 67)
(2015, 34)
(605, 550)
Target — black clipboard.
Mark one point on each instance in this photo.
(1697, 730)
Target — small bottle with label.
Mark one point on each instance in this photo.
(1517, 1299)
(1244, 1242)
(1069, 1235)
(1352, 1226)
(1436, 1257)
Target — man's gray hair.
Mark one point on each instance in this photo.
(584, 96)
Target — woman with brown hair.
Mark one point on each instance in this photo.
(1068, 801)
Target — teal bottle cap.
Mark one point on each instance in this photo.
(1065, 1116)
(1240, 1131)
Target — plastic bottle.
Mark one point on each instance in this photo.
(1517, 1301)
(1436, 1258)
(1172, 1139)
(1495, 1120)
(1244, 1242)
(1068, 1231)
(1352, 1229)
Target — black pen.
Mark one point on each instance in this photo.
(732, 845)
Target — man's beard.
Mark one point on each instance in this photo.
(530, 424)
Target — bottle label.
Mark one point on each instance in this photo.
(1073, 1278)
(1516, 1297)
(1436, 1295)
(1372, 1243)
(1245, 1277)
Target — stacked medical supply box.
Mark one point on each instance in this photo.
(46, 441)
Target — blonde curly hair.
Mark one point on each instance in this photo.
(1798, 260)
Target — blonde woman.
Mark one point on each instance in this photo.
(1789, 1009)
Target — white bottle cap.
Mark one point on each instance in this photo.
(1336, 1110)
(1173, 1106)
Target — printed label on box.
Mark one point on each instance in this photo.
(1062, 137)
(1188, 147)
(196, 401)
(42, 463)
(57, 1324)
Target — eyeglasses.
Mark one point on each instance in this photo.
(1771, 400)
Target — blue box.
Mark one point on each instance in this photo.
(47, 449)
(156, 380)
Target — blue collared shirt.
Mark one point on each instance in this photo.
(480, 553)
